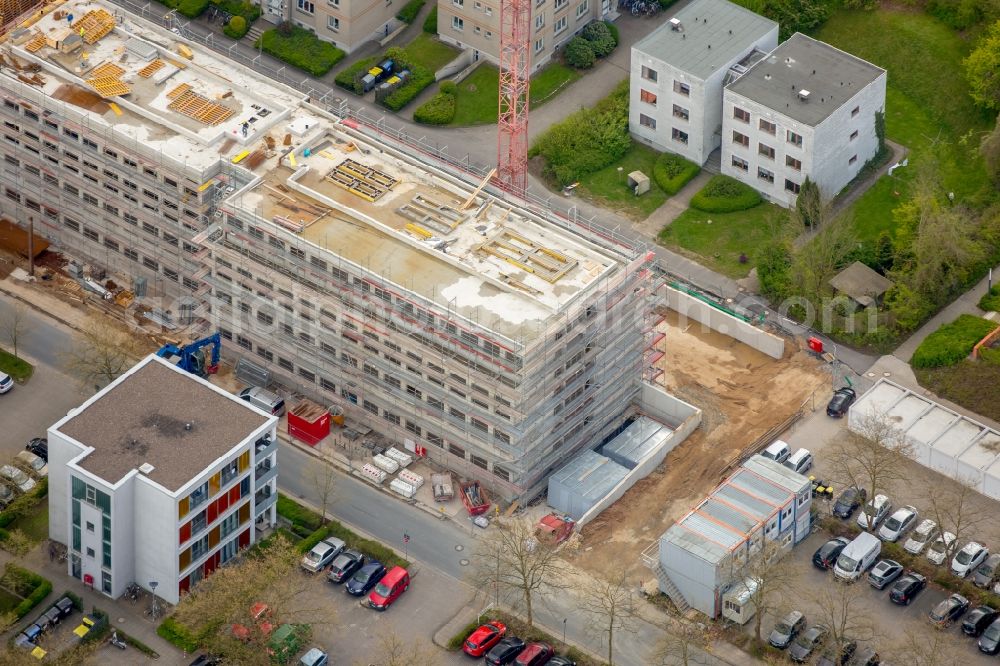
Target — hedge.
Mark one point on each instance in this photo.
(137, 644)
(307, 544)
(990, 302)
(420, 78)
(672, 172)
(349, 78)
(236, 28)
(297, 514)
(247, 10)
(40, 588)
(410, 10)
(192, 8)
(431, 22)
(723, 194)
(952, 342)
(178, 635)
(440, 110)
(615, 33)
(300, 48)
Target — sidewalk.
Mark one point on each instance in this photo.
(672, 207)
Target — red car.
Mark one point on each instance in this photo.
(483, 638)
(536, 654)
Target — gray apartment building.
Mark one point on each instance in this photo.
(501, 341)
(347, 24)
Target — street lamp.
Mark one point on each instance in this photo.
(564, 619)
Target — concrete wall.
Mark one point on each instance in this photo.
(719, 321)
(60, 453)
(463, 61)
(156, 539)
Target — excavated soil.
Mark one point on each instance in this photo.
(742, 394)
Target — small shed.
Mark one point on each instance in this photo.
(582, 482)
(639, 182)
(861, 284)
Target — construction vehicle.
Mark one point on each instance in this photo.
(192, 355)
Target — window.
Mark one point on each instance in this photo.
(766, 126)
(853, 160)
(477, 30)
(456, 450)
(678, 135)
(741, 139)
(306, 6)
(793, 138)
(539, 44)
(791, 186)
(457, 23)
(649, 74)
(793, 163)
(561, 24)
(765, 175)
(90, 526)
(741, 115)
(539, 21)
(854, 135)
(741, 163)
(855, 111)
(333, 23)
(681, 112)
(646, 121)
(765, 150)
(582, 9)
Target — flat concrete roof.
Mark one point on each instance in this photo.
(831, 76)
(712, 33)
(143, 417)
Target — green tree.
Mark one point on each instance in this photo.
(809, 204)
(989, 147)
(982, 69)
(885, 253)
(773, 262)
(580, 53)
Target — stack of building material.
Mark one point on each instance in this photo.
(94, 25)
(443, 489)
(404, 459)
(403, 488)
(373, 473)
(411, 478)
(385, 463)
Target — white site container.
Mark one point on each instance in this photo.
(385, 463)
(373, 473)
(411, 478)
(403, 459)
(403, 488)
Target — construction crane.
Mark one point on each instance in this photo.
(192, 355)
(512, 124)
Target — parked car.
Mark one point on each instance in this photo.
(978, 619)
(365, 579)
(949, 610)
(390, 588)
(841, 400)
(884, 573)
(787, 629)
(800, 462)
(344, 566)
(315, 657)
(924, 534)
(830, 657)
(505, 651)
(866, 657)
(987, 572)
(484, 638)
(32, 464)
(877, 508)
(535, 654)
(898, 524)
(206, 660)
(6, 495)
(23, 482)
(989, 642)
(561, 661)
(807, 642)
(939, 548)
(971, 556)
(849, 501)
(826, 555)
(6, 383)
(778, 451)
(857, 557)
(322, 554)
(40, 447)
(907, 588)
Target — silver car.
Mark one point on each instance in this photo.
(6, 495)
(19, 478)
(898, 524)
(878, 508)
(322, 554)
(938, 551)
(32, 464)
(925, 533)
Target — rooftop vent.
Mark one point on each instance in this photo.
(804, 95)
(675, 25)
(146, 468)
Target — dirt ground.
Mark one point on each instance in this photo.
(742, 394)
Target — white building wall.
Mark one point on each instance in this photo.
(60, 453)
(694, 577)
(156, 547)
(123, 537)
(90, 543)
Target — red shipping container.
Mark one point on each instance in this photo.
(816, 345)
(309, 422)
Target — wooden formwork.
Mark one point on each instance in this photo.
(94, 25)
(200, 108)
(151, 68)
(105, 70)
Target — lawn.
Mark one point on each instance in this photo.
(609, 188)
(430, 52)
(477, 100)
(35, 523)
(8, 601)
(19, 369)
(718, 239)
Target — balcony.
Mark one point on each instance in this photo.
(265, 472)
(264, 447)
(264, 499)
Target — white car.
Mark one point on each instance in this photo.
(6, 383)
(898, 524)
(939, 548)
(967, 559)
(20, 479)
(322, 554)
(32, 464)
(926, 532)
(878, 508)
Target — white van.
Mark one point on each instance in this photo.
(778, 451)
(857, 556)
(800, 462)
(263, 399)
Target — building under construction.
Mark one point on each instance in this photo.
(501, 340)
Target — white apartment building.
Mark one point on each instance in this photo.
(806, 110)
(347, 24)
(678, 73)
(160, 477)
(475, 24)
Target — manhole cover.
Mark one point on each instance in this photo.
(121, 620)
(464, 562)
(459, 547)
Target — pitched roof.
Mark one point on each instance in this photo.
(861, 283)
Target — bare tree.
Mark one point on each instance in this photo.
(323, 481)
(685, 644)
(953, 506)
(871, 458)
(842, 608)
(394, 651)
(764, 578)
(609, 606)
(102, 351)
(512, 560)
(15, 325)
(925, 648)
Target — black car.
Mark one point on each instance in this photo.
(826, 555)
(365, 579)
(906, 588)
(505, 651)
(40, 447)
(989, 642)
(849, 501)
(948, 610)
(884, 573)
(978, 619)
(828, 657)
(206, 660)
(841, 400)
(344, 566)
(806, 642)
(866, 657)
(560, 661)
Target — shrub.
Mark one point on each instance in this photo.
(431, 22)
(448, 87)
(177, 635)
(247, 10)
(580, 53)
(600, 38)
(236, 28)
(24, 580)
(672, 172)
(723, 194)
(410, 10)
(301, 48)
(192, 8)
(420, 78)
(952, 342)
(615, 33)
(296, 513)
(349, 78)
(990, 302)
(439, 110)
(307, 544)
